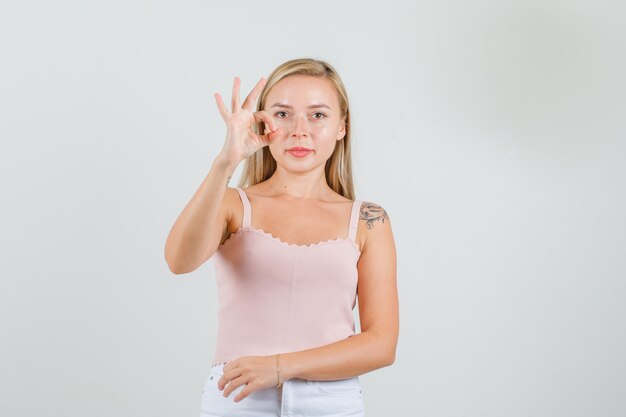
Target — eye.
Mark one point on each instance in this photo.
(321, 114)
(279, 112)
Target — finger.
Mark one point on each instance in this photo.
(228, 376)
(227, 388)
(264, 139)
(254, 94)
(264, 116)
(235, 98)
(271, 121)
(270, 134)
(232, 386)
(243, 393)
(220, 106)
(268, 138)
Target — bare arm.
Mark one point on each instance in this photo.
(357, 355)
(199, 229)
(375, 346)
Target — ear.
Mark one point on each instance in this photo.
(342, 129)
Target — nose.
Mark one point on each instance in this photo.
(300, 127)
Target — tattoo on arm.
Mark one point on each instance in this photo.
(372, 212)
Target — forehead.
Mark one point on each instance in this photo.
(301, 91)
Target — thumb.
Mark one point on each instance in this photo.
(270, 135)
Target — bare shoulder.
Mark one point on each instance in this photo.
(374, 225)
(372, 214)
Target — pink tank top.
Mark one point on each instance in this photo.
(278, 297)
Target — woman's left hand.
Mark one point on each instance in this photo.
(255, 372)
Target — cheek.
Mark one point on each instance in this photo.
(323, 130)
(323, 133)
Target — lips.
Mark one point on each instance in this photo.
(299, 152)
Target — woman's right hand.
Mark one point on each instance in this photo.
(241, 140)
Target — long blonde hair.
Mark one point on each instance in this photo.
(259, 166)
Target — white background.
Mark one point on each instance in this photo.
(492, 132)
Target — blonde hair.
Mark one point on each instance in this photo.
(259, 166)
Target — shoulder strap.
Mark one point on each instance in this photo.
(246, 208)
(354, 219)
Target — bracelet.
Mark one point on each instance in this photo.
(278, 372)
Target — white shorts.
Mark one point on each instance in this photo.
(295, 398)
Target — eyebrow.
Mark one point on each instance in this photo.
(312, 106)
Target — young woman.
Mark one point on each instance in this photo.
(291, 251)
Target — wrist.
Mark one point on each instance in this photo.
(224, 163)
(287, 367)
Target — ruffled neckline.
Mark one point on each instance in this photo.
(277, 240)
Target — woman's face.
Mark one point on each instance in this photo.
(306, 113)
